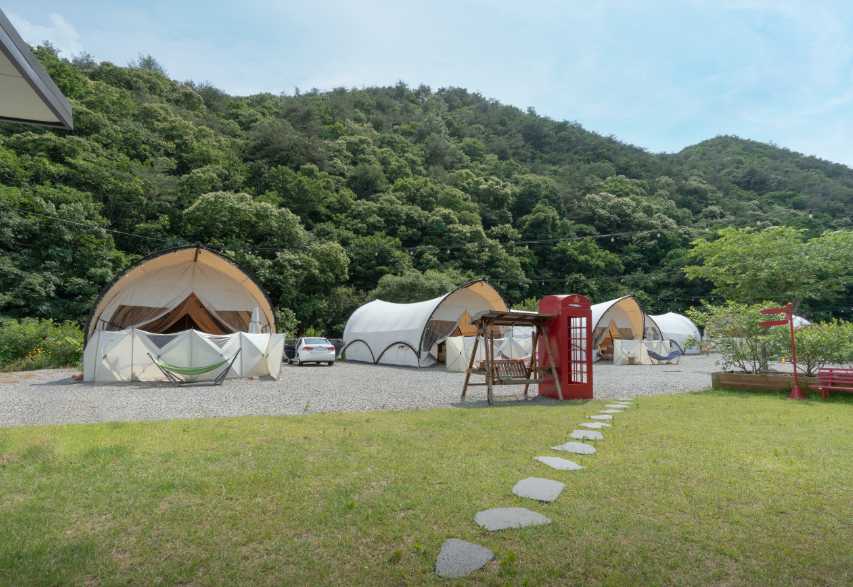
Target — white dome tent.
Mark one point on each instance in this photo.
(681, 329)
(188, 307)
(387, 333)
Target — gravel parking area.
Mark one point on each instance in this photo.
(50, 397)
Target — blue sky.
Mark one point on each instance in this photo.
(658, 74)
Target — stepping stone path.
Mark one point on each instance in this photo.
(611, 411)
(587, 435)
(459, 558)
(559, 464)
(576, 447)
(601, 417)
(504, 518)
(539, 489)
(595, 425)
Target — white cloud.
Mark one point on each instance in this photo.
(60, 33)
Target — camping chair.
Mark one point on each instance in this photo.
(185, 375)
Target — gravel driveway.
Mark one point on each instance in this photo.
(50, 397)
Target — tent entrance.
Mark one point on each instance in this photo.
(189, 314)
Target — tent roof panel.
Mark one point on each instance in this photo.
(28, 94)
(170, 265)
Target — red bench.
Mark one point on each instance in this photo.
(829, 380)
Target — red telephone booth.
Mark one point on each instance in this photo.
(570, 335)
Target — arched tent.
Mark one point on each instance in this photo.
(181, 289)
(680, 328)
(622, 318)
(190, 307)
(403, 334)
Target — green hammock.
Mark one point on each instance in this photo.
(190, 371)
(182, 375)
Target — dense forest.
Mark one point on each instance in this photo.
(333, 198)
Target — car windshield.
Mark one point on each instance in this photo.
(316, 341)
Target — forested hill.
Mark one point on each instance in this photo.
(321, 194)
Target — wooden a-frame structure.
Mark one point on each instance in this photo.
(511, 371)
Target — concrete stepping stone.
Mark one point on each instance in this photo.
(559, 464)
(616, 407)
(504, 518)
(595, 425)
(611, 411)
(576, 447)
(539, 489)
(587, 435)
(604, 417)
(458, 558)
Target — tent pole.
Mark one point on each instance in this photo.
(490, 362)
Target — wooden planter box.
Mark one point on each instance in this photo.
(761, 381)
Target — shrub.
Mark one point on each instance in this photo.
(732, 330)
(35, 343)
(819, 344)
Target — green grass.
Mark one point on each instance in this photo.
(719, 488)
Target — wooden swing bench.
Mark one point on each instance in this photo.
(510, 371)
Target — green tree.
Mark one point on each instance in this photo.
(777, 264)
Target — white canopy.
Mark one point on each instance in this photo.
(799, 321)
(128, 355)
(402, 334)
(180, 289)
(27, 94)
(680, 328)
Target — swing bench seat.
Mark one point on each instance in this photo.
(186, 375)
(507, 371)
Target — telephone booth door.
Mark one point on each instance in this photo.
(569, 334)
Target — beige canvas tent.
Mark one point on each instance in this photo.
(187, 306)
(408, 334)
(620, 319)
(181, 289)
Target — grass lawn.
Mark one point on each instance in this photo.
(717, 487)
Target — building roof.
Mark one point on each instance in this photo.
(27, 94)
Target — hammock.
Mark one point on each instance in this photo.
(665, 358)
(183, 375)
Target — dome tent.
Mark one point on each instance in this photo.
(680, 328)
(186, 286)
(387, 333)
(623, 319)
(188, 306)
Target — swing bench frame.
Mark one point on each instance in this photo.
(511, 371)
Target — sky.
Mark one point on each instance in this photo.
(659, 74)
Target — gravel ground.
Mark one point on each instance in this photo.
(50, 397)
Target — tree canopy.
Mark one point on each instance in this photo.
(333, 198)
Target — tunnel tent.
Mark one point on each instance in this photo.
(681, 329)
(388, 333)
(180, 289)
(620, 319)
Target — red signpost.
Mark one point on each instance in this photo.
(788, 311)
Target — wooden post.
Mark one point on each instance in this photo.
(490, 362)
(471, 360)
(532, 371)
(552, 360)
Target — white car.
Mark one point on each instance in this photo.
(312, 349)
